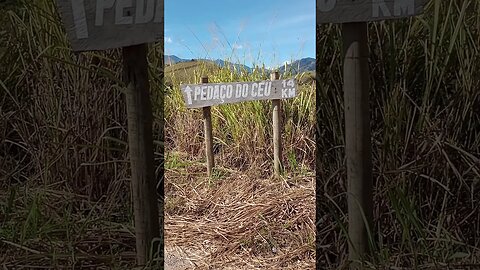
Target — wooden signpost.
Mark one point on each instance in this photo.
(354, 15)
(206, 95)
(207, 123)
(106, 24)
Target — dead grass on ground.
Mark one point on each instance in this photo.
(241, 220)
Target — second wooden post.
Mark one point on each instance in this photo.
(277, 127)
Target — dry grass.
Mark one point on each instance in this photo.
(240, 220)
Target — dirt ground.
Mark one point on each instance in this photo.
(176, 259)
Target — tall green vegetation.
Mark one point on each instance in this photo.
(425, 100)
(64, 173)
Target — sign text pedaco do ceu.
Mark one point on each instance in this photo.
(204, 95)
(106, 24)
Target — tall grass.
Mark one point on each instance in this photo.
(63, 155)
(425, 134)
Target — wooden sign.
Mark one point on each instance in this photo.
(107, 24)
(204, 95)
(343, 11)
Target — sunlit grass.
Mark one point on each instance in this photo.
(242, 129)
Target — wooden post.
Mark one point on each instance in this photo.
(358, 141)
(277, 135)
(207, 117)
(140, 143)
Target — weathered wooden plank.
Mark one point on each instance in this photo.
(107, 24)
(341, 11)
(204, 95)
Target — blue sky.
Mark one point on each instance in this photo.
(244, 31)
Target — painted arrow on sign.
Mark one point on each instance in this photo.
(188, 93)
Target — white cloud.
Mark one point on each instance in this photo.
(238, 46)
(168, 39)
